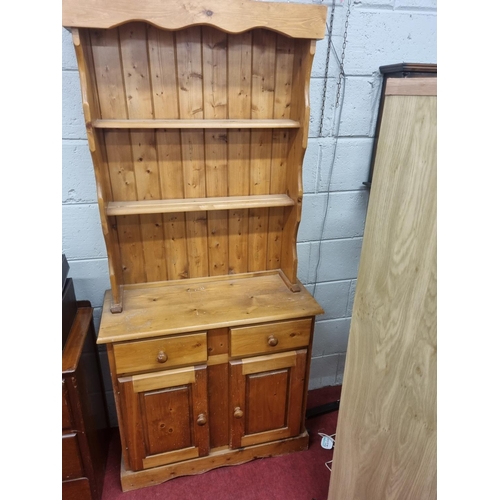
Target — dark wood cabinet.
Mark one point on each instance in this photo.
(84, 419)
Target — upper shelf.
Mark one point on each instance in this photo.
(177, 124)
(197, 204)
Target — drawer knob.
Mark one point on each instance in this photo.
(162, 357)
(238, 413)
(272, 341)
(202, 419)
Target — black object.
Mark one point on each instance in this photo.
(65, 270)
(401, 70)
(321, 410)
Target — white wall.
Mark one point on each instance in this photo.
(380, 32)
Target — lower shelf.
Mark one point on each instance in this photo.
(220, 458)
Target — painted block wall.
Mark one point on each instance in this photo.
(336, 164)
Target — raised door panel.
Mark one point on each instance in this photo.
(165, 416)
(267, 397)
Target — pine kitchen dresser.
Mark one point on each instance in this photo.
(197, 116)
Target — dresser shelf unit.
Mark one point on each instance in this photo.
(182, 116)
(197, 117)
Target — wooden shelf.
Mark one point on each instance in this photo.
(181, 121)
(197, 204)
(181, 124)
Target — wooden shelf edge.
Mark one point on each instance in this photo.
(182, 124)
(115, 208)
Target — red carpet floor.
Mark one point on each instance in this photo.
(297, 476)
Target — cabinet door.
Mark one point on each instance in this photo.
(165, 416)
(267, 395)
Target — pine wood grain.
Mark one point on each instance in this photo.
(386, 434)
(91, 109)
(133, 480)
(214, 54)
(251, 340)
(239, 59)
(137, 83)
(173, 307)
(302, 21)
(300, 109)
(197, 204)
(161, 47)
(285, 54)
(190, 92)
(263, 90)
(186, 123)
(106, 51)
(143, 355)
(199, 115)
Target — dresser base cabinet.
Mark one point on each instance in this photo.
(208, 374)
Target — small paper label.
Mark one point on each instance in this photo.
(327, 443)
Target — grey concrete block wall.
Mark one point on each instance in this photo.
(380, 32)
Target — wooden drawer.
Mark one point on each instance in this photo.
(72, 467)
(158, 354)
(66, 412)
(79, 489)
(271, 337)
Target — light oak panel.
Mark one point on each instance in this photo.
(411, 86)
(386, 434)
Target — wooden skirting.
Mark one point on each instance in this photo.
(151, 477)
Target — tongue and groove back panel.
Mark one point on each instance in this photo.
(137, 72)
